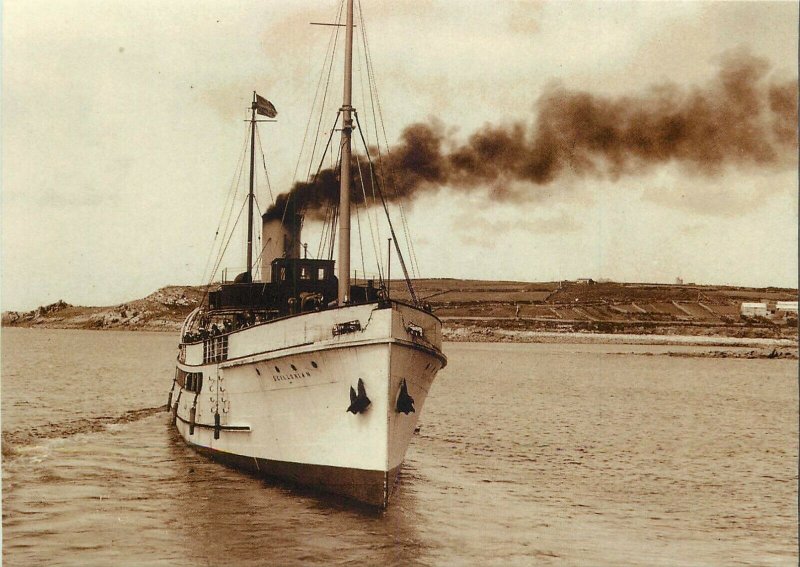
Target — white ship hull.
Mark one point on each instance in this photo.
(277, 404)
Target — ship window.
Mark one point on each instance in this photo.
(314, 364)
(191, 381)
(283, 273)
(293, 367)
(305, 273)
(321, 274)
(278, 370)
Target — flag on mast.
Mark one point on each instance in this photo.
(265, 107)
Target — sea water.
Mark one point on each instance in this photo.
(528, 454)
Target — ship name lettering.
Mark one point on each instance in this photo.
(293, 376)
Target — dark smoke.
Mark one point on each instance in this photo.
(739, 119)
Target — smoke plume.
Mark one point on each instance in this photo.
(739, 119)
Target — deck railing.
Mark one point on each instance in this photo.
(215, 349)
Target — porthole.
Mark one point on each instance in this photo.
(293, 367)
(278, 370)
(314, 364)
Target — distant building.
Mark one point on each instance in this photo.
(770, 303)
(678, 281)
(754, 310)
(786, 307)
(585, 281)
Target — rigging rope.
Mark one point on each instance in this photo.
(388, 219)
(334, 221)
(335, 215)
(358, 218)
(390, 178)
(237, 176)
(360, 244)
(322, 158)
(216, 266)
(332, 49)
(264, 161)
(257, 260)
(223, 249)
(369, 220)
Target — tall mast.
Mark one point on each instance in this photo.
(344, 186)
(251, 197)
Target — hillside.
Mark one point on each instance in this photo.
(479, 306)
(163, 310)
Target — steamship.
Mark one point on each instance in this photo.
(303, 374)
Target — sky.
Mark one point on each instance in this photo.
(123, 124)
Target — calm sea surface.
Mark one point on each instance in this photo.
(529, 454)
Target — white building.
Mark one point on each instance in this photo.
(754, 310)
(786, 306)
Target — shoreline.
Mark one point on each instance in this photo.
(498, 335)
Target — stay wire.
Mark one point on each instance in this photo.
(375, 246)
(358, 218)
(324, 153)
(264, 161)
(390, 179)
(389, 221)
(319, 168)
(232, 192)
(377, 249)
(222, 249)
(335, 217)
(257, 260)
(239, 216)
(334, 41)
(360, 243)
(371, 84)
(316, 93)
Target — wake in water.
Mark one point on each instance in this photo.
(13, 440)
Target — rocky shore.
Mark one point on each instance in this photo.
(163, 310)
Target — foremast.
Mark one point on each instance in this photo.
(251, 196)
(344, 185)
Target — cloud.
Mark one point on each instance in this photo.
(483, 231)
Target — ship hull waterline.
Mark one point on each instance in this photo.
(371, 488)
